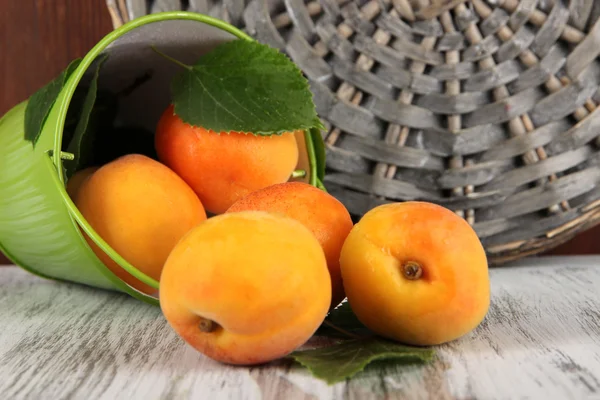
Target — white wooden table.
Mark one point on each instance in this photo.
(540, 340)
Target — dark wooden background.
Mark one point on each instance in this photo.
(38, 38)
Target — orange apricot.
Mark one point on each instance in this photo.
(223, 167)
(246, 288)
(416, 272)
(74, 183)
(324, 215)
(141, 209)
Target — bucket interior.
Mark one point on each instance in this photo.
(134, 86)
(133, 90)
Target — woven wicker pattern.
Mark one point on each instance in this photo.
(486, 107)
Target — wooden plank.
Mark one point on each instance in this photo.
(259, 24)
(339, 45)
(581, 133)
(307, 59)
(539, 340)
(540, 72)
(478, 138)
(523, 143)
(529, 173)
(322, 97)
(437, 8)
(585, 52)
(566, 100)
(451, 41)
(526, 227)
(460, 103)
(404, 114)
(448, 72)
(377, 150)
(505, 109)
(579, 12)
(551, 30)
(404, 79)
(380, 186)
(442, 142)
(393, 25)
(476, 174)
(384, 54)
(402, 48)
(400, 77)
(354, 19)
(521, 14)
(357, 203)
(429, 27)
(491, 78)
(493, 22)
(594, 15)
(346, 161)
(514, 46)
(300, 18)
(465, 18)
(364, 80)
(542, 197)
(486, 48)
(354, 119)
(423, 178)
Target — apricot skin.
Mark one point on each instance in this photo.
(323, 214)
(261, 278)
(450, 297)
(74, 183)
(141, 209)
(223, 167)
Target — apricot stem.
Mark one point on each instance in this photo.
(412, 270)
(342, 331)
(207, 325)
(299, 173)
(182, 65)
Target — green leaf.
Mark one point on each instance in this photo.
(343, 318)
(244, 86)
(319, 146)
(81, 143)
(41, 103)
(343, 360)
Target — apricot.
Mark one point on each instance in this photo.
(416, 272)
(74, 183)
(246, 288)
(223, 167)
(141, 209)
(324, 215)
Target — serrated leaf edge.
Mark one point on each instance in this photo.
(316, 123)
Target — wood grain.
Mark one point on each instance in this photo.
(541, 339)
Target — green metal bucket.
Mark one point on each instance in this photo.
(40, 227)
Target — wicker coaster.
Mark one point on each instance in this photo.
(485, 107)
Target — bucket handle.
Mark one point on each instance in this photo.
(93, 235)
